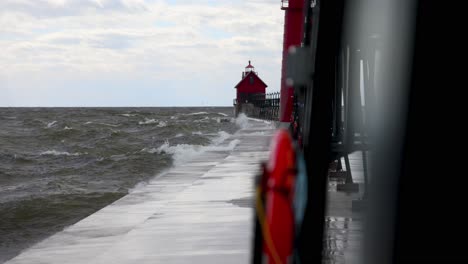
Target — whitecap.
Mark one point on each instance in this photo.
(128, 115)
(118, 157)
(223, 114)
(182, 153)
(179, 135)
(67, 128)
(270, 124)
(197, 113)
(60, 153)
(51, 124)
(148, 121)
(259, 120)
(162, 124)
(149, 150)
(203, 120)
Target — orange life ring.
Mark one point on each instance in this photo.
(279, 194)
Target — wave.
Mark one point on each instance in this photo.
(222, 119)
(197, 133)
(162, 124)
(118, 157)
(60, 153)
(197, 113)
(128, 115)
(182, 153)
(270, 124)
(105, 124)
(222, 136)
(179, 135)
(259, 120)
(223, 114)
(67, 128)
(203, 120)
(148, 121)
(242, 121)
(51, 124)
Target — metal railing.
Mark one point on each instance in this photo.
(259, 105)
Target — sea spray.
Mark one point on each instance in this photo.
(242, 121)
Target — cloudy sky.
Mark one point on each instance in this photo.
(135, 52)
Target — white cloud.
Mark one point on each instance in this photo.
(75, 40)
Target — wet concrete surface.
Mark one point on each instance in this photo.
(343, 225)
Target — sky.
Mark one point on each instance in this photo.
(135, 52)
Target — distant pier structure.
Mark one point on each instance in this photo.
(251, 97)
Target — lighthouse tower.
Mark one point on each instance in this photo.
(249, 86)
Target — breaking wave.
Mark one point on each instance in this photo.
(60, 153)
(222, 136)
(105, 124)
(51, 124)
(148, 122)
(182, 153)
(242, 121)
(197, 113)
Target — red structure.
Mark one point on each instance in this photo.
(293, 24)
(278, 186)
(249, 85)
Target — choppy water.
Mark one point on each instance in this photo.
(58, 165)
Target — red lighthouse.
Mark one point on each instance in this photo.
(249, 86)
